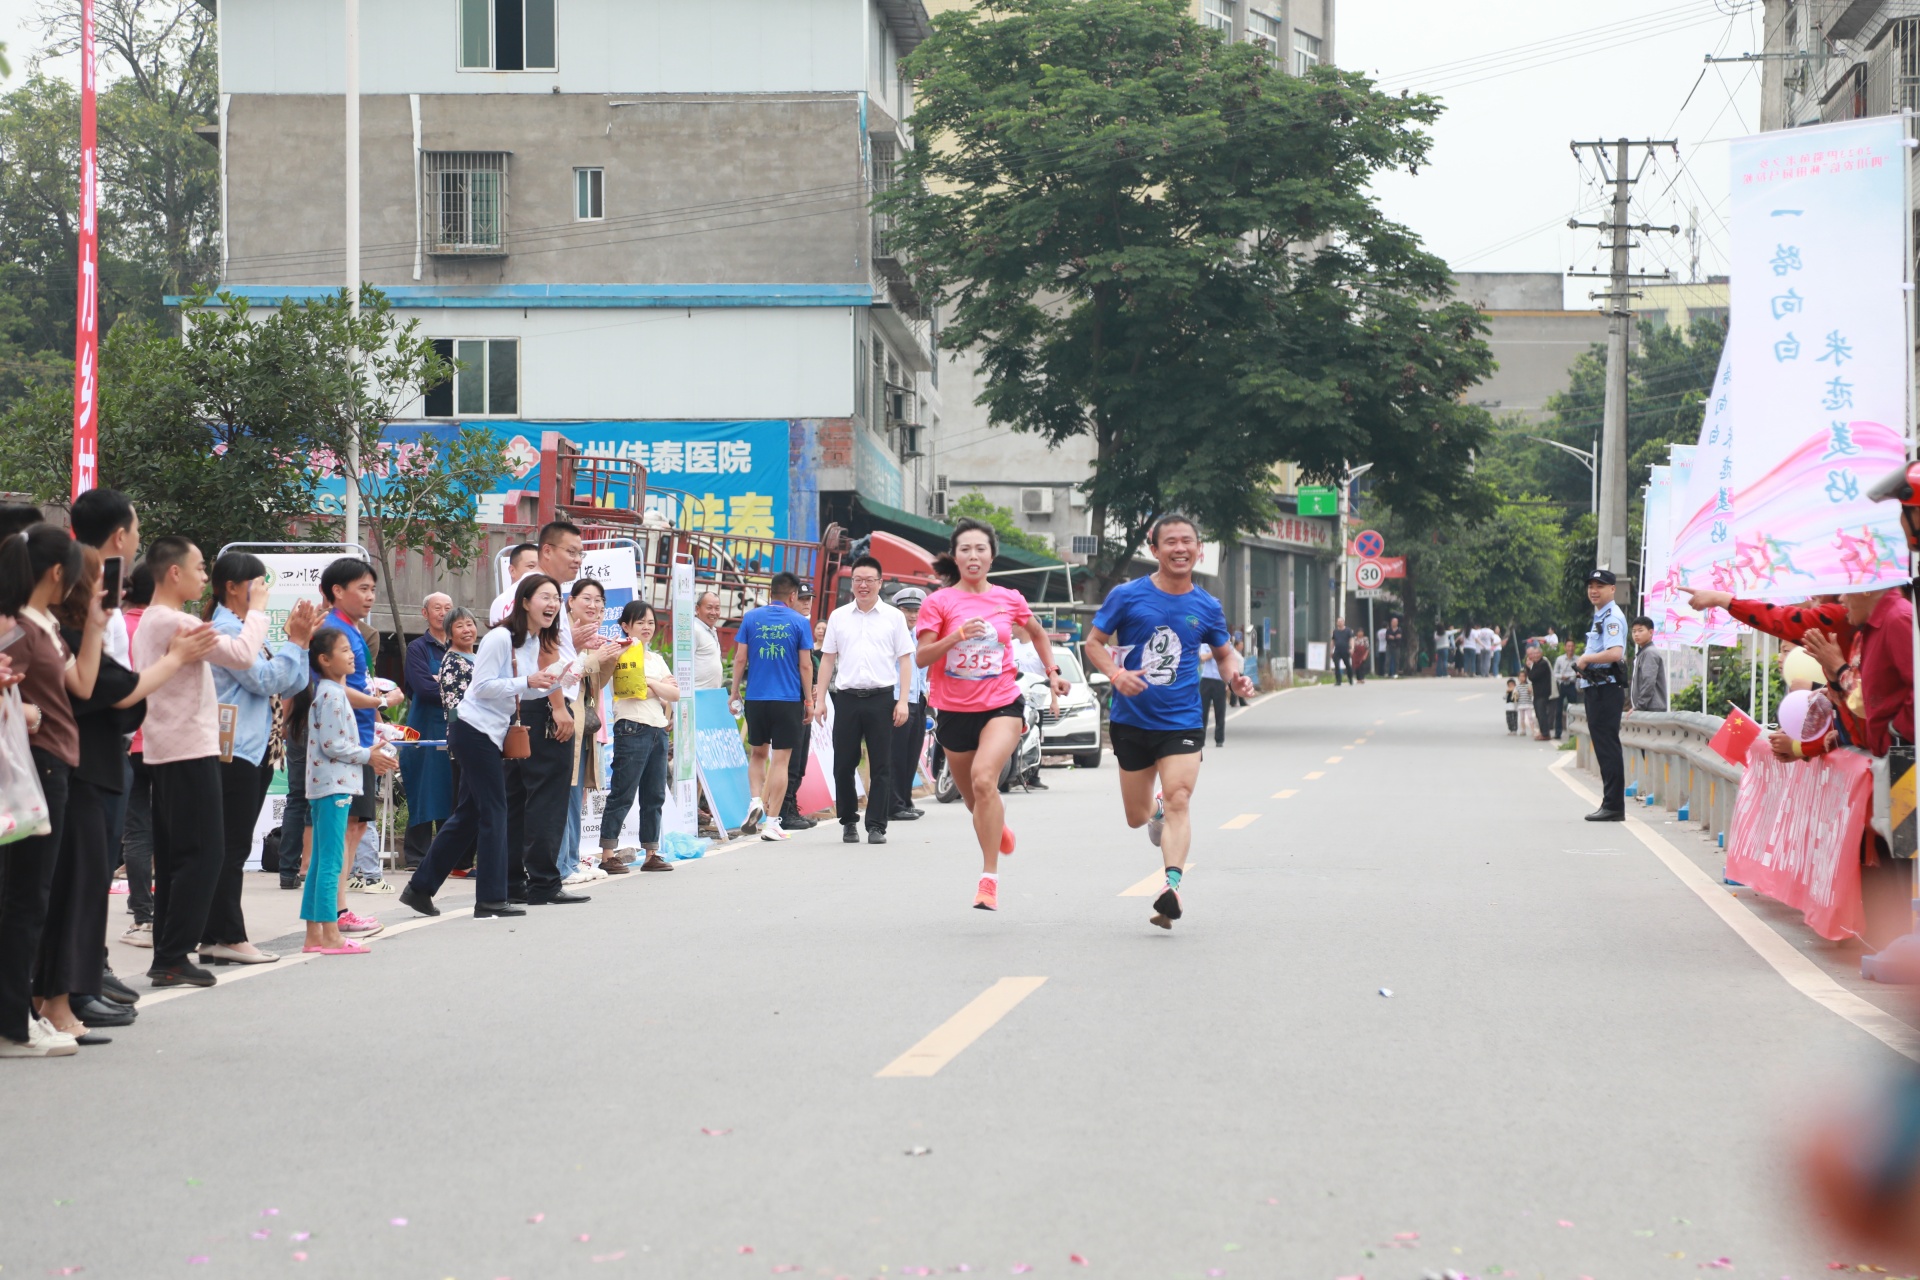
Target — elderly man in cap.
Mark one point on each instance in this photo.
(911, 736)
(1601, 668)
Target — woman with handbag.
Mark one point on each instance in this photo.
(486, 732)
(37, 568)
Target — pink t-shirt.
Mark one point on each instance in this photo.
(974, 675)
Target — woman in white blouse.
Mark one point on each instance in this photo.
(506, 672)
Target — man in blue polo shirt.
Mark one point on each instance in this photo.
(779, 687)
(1160, 625)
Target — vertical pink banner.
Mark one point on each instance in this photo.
(86, 336)
(1796, 832)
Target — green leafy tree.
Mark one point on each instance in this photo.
(161, 178)
(1155, 239)
(1005, 524)
(208, 432)
(1502, 567)
(418, 494)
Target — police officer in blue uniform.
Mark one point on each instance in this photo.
(1603, 681)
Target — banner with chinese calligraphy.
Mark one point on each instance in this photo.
(86, 323)
(734, 474)
(1795, 835)
(1702, 545)
(1656, 532)
(1818, 330)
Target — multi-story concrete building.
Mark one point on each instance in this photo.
(643, 222)
(1827, 60)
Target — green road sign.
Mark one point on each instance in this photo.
(1319, 500)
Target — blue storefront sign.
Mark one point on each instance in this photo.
(734, 474)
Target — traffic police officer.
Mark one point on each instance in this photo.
(1603, 681)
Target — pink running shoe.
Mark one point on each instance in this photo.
(1006, 839)
(358, 926)
(987, 897)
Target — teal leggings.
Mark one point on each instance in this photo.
(320, 902)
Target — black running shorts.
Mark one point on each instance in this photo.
(960, 730)
(366, 805)
(779, 723)
(1135, 749)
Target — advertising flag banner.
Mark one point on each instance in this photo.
(1657, 534)
(86, 316)
(1818, 331)
(682, 816)
(1698, 557)
(721, 758)
(292, 576)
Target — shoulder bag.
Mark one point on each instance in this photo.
(517, 745)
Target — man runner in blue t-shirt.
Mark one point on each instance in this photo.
(1158, 626)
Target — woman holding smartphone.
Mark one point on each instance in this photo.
(507, 670)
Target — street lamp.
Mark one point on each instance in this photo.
(1586, 460)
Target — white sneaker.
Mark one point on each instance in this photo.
(359, 884)
(599, 873)
(37, 1045)
(48, 1034)
(138, 935)
(756, 810)
(583, 876)
(1157, 824)
(774, 831)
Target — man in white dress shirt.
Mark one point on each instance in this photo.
(867, 666)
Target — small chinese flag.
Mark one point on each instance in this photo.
(1738, 734)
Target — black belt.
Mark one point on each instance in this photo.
(874, 692)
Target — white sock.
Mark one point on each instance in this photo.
(990, 875)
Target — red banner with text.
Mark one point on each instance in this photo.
(86, 321)
(1796, 835)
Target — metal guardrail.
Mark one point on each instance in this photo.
(1666, 756)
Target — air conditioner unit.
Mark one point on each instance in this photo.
(939, 482)
(939, 502)
(909, 439)
(1077, 499)
(1036, 502)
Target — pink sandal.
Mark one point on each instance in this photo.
(347, 948)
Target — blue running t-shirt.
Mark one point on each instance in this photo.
(1161, 636)
(774, 636)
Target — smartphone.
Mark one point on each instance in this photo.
(110, 582)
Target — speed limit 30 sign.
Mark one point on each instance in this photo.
(1369, 574)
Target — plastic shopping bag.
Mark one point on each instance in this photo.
(23, 806)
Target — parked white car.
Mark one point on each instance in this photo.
(1076, 729)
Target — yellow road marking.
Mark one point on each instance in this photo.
(1317, 773)
(1416, 711)
(1243, 821)
(1335, 759)
(1379, 721)
(1288, 794)
(1469, 698)
(944, 1043)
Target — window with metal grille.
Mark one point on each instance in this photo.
(486, 378)
(1306, 52)
(588, 188)
(1217, 14)
(506, 35)
(467, 201)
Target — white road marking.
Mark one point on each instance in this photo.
(1802, 974)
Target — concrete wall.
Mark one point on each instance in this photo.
(1511, 290)
(1535, 351)
(603, 46)
(977, 456)
(674, 169)
(724, 362)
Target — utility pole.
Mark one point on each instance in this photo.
(352, 535)
(1611, 552)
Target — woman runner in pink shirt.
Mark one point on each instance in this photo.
(965, 637)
